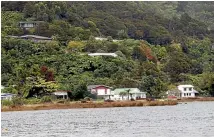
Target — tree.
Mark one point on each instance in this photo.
(122, 94)
(75, 45)
(177, 63)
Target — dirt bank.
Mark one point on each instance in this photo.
(71, 105)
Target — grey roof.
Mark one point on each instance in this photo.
(132, 90)
(195, 91)
(7, 94)
(30, 21)
(89, 87)
(32, 36)
(35, 36)
(103, 54)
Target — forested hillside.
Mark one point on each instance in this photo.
(159, 45)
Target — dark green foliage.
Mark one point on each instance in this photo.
(160, 44)
(46, 99)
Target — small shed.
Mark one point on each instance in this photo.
(7, 96)
(61, 94)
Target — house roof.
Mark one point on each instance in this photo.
(32, 36)
(89, 87)
(195, 91)
(186, 86)
(103, 54)
(35, 36)
(30, 21)
(7, 94)
(132, 90)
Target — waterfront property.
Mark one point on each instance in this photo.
(7, 96)
(128, 94)
(101, 91)
(187, 91)
(61, 94)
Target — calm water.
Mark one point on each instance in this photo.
(194, 119)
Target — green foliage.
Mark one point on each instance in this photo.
(6, 103)
(32, 101)
(46, 99)
(165, 46)
(17, 101)
(75, 46)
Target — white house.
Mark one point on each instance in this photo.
(187, 91)
(128, 93)
(103, 54)
(101, 91)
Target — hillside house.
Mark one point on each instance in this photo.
(34, 38)
(27, 24)
(104, 39)
(128, 94)
(187, 91)
(101, 91)
(103, 54)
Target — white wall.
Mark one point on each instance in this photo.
(102, 92)
(186, 93)
(125, 97)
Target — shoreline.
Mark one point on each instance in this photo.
(196, 99)
(76, 105)
(95, 104)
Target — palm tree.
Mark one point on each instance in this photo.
(122, 94)
(128, 93)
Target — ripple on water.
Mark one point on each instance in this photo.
(194, 119)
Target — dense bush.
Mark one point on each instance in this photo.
(6, 103)
(168, 47)
(46, 99)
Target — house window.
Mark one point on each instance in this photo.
(184, 94)
(190, 89)
(185, 89)
(189, 94)
(105, 91)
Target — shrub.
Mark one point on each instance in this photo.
(6, 103)
(46, 99)
(87, 99)
(17, 101)
(108, 100)
(83, 101)
(32, 101)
